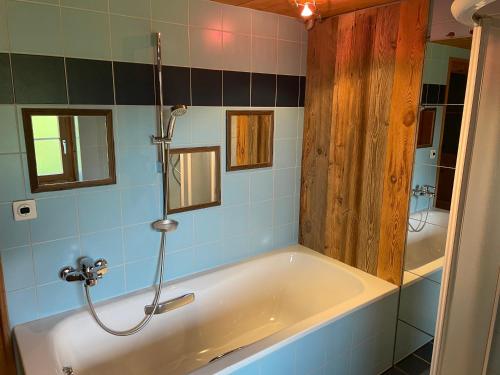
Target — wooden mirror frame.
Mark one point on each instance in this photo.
(231, 168)
(36, 186)
(191, 150)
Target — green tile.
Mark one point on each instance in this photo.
(134, 8)
(9, 142)
(34, 28)
(170, 11)
(175, 43)
(100, 5)
(4, 36)
(131, 39)
(86, 34)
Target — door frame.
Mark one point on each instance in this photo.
(460, 188)
(7, 364)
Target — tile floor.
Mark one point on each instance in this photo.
(418, 363)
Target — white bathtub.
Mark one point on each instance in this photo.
(260, 304)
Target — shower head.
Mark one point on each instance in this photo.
(175, 111)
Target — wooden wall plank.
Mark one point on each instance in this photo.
(398, 167)
(316, 142)
(343, 189)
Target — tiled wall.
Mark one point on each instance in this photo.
(433, 94)
(359, 344)
(100, 54)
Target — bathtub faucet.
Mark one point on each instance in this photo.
(89, 271)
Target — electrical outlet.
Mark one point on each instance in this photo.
(432, 154)
(24, 210)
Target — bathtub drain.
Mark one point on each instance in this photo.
(68, 371)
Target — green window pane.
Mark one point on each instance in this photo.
(48, 157)
(45, 127)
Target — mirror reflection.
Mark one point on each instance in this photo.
(442, 99)
(194, 178)
(249, 139)
(68, 148)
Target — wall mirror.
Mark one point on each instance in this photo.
(249, 139)
(194, 178)
(69, 148)
(442, 98)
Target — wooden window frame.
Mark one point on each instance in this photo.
(229, 166)
(43, 184)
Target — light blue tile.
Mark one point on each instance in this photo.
(261, 216)
(175, 43)
(373, 356)
(261, 186)
(107, 245)
(111, 285)
(22, 305)
(56, 219)
(131, 39)
(138, 166)
(58, 297)
(18, 268)
(235, 188)
(12, 233)
(135, 125)
(184, 235)
(175, 11)
(132, 8)
(236, 220)
(280, 362)
(262, 241)
(419, 303)
(141, 274)
(298, 161)
(300, 129)
(284, 182)
(209, 256)
(100, 5)
(208, 225)
(50, 257)
(86, 34)
(141, 241)
(286, 123)
(205, 14)
(285, 153)
(9, 142)
(4, 36)
(99, 211)
(140, 205)
(408, 339)
(284, 210)
(311, 354)
(374, 318)
(338, 365)
(180, 264)
(285, 235)
(12, 186)
(339, 338)
(251, 369)
(206, 125)
(238, 248)
(298, 172)
(34, 28)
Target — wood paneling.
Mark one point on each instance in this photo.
(359, 129)
(6, 356)
(327, 8)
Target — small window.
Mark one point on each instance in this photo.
(425, 133)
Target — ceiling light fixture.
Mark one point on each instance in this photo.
(309, 12)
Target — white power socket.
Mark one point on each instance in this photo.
(24, 210)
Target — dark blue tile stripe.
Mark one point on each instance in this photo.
(49, 80)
